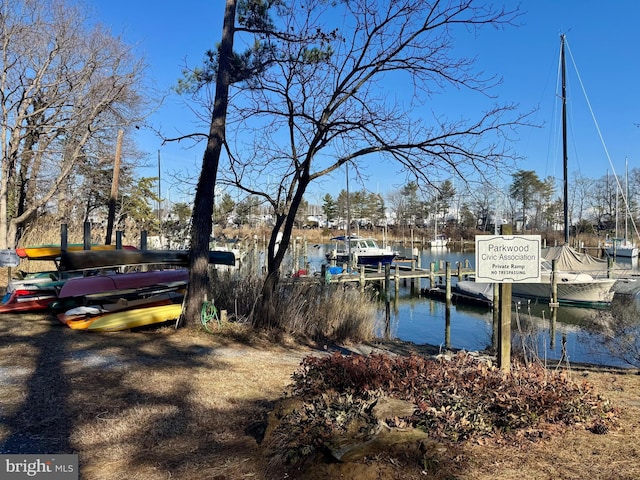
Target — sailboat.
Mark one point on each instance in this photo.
(439, 240)
(581, 279)
(622, 247)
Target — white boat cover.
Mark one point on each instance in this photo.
(569, 259)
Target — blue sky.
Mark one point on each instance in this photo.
(602, 39)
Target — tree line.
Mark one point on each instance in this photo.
(529, 203)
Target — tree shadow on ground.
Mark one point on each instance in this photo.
(134, 403)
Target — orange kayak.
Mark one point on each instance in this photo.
(51, 252)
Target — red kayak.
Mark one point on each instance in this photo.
(27, 300)
(104, 284)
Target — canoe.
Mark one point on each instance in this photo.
(51, 252)
(138, 317)
(89, 259)
(118, 282)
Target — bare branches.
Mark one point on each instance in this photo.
(65, 92)
(350, 81)
(312, 117)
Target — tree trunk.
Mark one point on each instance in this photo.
(203, 204)
(267, 317)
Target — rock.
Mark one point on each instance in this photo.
(350, 450)
(371, 436)
(389, 407)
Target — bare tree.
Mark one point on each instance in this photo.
(321, 104)
(65, 91)
(308, 98)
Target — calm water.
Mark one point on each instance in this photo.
(426, 321)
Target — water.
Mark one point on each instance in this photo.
(425, 320)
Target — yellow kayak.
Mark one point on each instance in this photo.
(50, 252)
(138, 317)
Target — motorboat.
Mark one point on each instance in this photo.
(621, 247)
(363, 251)
(440, 241)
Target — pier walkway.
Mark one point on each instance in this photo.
(403, 272)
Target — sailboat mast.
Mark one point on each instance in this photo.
(346, 167)
(565, 159)
(626, 198)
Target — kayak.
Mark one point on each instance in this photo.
(138, 317)
(79, 318)
(51, 251)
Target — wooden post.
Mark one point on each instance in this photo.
(396, 277)
(447, 282)
(432, 275)
(387, 279)
(64, 237)
(305, 255)
(504, 326)
(554, 284)
(362, 278)
(552, 329)
(86, 237)
(387, 305)
(447, 326)
(255, 255)
(496, 316)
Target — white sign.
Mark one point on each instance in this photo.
(9, 258)
(508, 258)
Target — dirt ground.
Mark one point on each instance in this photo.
(162, 404)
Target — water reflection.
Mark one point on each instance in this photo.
(565, 334)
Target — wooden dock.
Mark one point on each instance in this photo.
(400, 273)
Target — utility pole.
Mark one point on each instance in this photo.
(114, 189)
(159, 202)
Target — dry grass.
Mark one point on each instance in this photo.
(307, 309)
(177, 404)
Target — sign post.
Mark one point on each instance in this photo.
(507, 259)
(9, 258)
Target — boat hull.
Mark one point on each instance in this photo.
(368, 260)
(104, 284)
(594, 293)
(363, 251)
(90, 259)
(27, 301)
(138, 317)
(51, 252)
(625, 252)
(80, 318)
